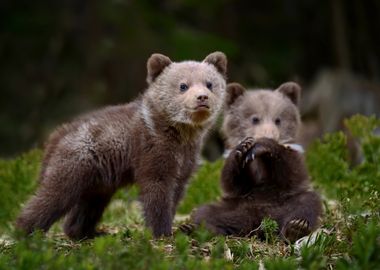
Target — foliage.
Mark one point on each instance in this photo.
(204, 186)
(17, 181)
(349, 237)
(269, 227)
(357, 187)
(365, 249)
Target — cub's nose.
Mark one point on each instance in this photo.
(202, 98)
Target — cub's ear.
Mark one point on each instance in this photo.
(219, 60)
(155, 65)
(292, 90)
(234, 90)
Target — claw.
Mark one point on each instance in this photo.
(297, 228)
(243, 151)
(248, 158)
(305, 224)
(187, 228)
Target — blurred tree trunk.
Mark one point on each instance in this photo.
(340, 40)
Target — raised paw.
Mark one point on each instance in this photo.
(242, 151)
(265, 146)
(187, 228)
(296, 228)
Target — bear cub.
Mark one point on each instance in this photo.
(264, 174)
(153, 142)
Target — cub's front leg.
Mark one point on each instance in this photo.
(288, 167)
(267, 149)
(157, 183)
(235, 181)
(156, 198)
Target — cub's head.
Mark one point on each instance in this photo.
(188, 92)
(262, 113)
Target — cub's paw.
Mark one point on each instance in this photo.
(266, 146)
(242, 152)
(296, 228)
(187, 228)
(88, 235)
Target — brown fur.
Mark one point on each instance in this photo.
(153, 142)
(274, 183)
(266, 106)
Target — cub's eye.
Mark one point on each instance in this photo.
(277, 121)
(255, 120)
(209, 85)
(183, 87)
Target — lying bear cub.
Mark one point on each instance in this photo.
(264, 174)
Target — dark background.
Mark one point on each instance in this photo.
(62, 58)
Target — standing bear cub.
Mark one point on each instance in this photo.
(264, 174)
(153, 142)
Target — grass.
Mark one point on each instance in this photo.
(348, 239)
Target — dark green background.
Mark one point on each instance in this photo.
(61, 58)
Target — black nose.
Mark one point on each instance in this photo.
(202, 97)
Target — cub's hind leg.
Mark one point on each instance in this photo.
(219, 220)
(63, 181)
(43, 209)
(82, 219)
(296, 228)
(302, 216)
